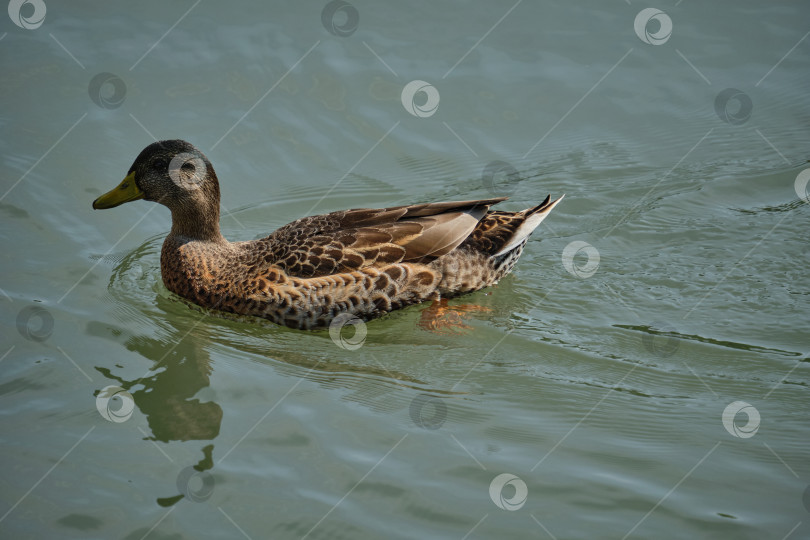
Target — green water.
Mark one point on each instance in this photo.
(666, 293)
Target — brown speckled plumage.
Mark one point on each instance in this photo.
(365, 262)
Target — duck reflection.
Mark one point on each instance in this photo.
(167, 396)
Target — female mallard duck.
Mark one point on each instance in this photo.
(364, 262)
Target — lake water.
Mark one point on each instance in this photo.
(642, 374)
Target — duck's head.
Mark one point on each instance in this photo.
(176, 174)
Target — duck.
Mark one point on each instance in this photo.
(361, 263)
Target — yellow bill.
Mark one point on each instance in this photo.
(126, 191)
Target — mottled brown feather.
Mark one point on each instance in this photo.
(317, 245)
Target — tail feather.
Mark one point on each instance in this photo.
(532, 218)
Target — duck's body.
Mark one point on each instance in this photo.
(363, 262)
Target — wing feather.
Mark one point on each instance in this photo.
(353, 239)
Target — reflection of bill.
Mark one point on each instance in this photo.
(195, 485)
(115, 404)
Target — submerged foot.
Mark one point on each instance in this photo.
(441, 318)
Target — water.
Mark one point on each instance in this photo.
(601, 390)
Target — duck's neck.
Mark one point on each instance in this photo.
(197, 223)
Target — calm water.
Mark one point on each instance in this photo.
(642, 374)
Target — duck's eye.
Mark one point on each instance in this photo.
(161, 164)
